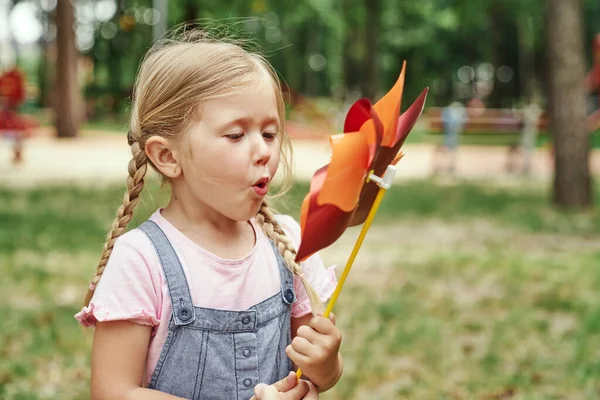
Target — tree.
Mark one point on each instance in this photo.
(67, 101)
(572, 182)
(371, 67)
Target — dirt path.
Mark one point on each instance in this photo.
(102, 158)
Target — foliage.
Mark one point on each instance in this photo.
(320, 46)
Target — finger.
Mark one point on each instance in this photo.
(286, 383)
(329, 336)
(303, 346)
(299, 359)
(313, 392)
(322, 325)
(316, 339)
(332, 317)
(297, 393)
(309, 334)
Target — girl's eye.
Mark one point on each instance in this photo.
(270, 135)
(235, 136)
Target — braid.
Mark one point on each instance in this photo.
(271, 228)
(135, 183)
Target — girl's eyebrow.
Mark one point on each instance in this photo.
(245, 121)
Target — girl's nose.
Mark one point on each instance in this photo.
(262, 151)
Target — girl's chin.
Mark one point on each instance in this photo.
(244, 212)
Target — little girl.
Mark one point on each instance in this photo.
(204, 300)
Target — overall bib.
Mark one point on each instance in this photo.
(220, 354)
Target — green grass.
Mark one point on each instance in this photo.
(490, 139)
(108, 124)
(529, 209)
(459, 292)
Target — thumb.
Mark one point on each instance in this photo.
(286, 383)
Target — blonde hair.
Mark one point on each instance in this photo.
(174, 78)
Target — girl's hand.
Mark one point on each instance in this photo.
(289, 388)
(315, 350)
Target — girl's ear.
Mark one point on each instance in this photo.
(162, 153)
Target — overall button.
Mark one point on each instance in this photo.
(246, 320)
(184, 313)
(247, 382)
(246, 352)
(289, 295)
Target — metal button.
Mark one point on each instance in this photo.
(289, 295)
(246, 352)
(246, 320)
(184, 313)
(247, 382)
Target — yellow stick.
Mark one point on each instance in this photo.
(355, 250)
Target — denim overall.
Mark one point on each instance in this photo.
(219, 354)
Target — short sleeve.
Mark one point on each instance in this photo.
(322, 279)
(130, 288)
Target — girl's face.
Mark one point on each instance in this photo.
(233, 150)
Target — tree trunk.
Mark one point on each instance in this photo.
(350, 68)
(190, 14)
(572, 183)
(370, 83)
(67, 101)
(43, 64)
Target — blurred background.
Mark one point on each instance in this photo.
(478, 279)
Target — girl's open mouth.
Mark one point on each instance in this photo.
(261, 186)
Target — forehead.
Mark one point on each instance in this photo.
(255, 100)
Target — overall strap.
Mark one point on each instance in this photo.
(286, 277)
(181, 299)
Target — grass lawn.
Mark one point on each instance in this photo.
(491, 139)
(459, 292)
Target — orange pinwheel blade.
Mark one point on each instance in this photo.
(388, 109)
(347, 170)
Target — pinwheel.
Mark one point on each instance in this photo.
(349, 190)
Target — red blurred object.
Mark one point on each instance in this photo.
(12, 95)
(14, 125)
(12, 88)
(12, 122)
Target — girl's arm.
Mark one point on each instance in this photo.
(118, 362)
(315, 349)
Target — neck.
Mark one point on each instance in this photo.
(207, 227)
(186, 214)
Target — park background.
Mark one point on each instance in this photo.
(477, 284)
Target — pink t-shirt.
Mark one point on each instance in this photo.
(133, 286)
